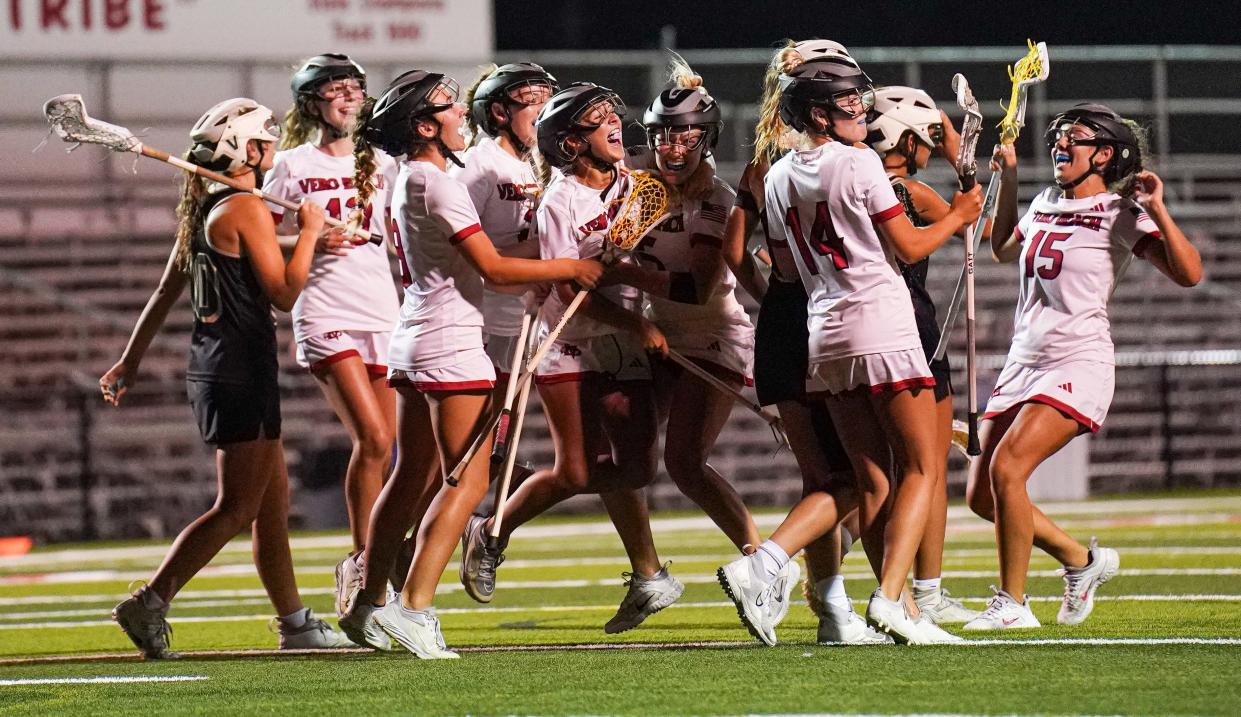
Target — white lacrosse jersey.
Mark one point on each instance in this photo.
(572, 222)
(442, 310)
(354, 292)
(750, 197)
(826, 202)
(503, 189)
(1073, 253)
(670, 247)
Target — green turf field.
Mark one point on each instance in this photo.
(1165, 637)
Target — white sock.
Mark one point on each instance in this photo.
(771, 559)
(296, 619)
(926, 585)
(833, 591)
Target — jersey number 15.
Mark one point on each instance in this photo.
(1043, 244)
(823, 238)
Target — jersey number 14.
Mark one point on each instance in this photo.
(823, 239)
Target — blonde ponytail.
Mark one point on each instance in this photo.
(364, 163)
(189, 213)
(476, 132)
(771, 136)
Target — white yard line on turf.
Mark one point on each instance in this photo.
(1164, 511)
(177, 619)
(122, 680)
(88, 576)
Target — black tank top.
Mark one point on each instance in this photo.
(234, 337)
(915, 274)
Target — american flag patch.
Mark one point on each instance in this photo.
(713, 212)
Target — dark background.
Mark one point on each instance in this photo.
(613, 24)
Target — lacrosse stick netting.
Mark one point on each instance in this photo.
(1026, 72)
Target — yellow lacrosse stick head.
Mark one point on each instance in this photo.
(642, 208)
(1029, 70)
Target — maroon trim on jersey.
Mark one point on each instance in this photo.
(707, 239)
(376, 369)
(1058, 405)
(548, 379)
(322, 364)
(442, 385)
(898, 386)
(1145, 243)
(464, 234)
(887, 214)
(277, 217)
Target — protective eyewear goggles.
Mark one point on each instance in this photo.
(854, 103)
(530, 93)
(936, 133)
(343, 87)
(1064, 130)
(272, 127)
(665, 138)
(597, 113)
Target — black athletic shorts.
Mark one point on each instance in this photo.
(781, 344)
(234, 413)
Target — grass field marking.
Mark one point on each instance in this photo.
(119, 680)
(1217, 506)
(175, 619)
(860, 572)
(599, 646)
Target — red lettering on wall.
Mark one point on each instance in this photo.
(115, 14)
(15, 14)
(53, 11)
(404, 31)
(153, 14)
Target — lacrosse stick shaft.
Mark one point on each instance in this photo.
(230, 182)
(510, 459)
(958, 292)
(971, 351)
(706, 377)
(500, 447)
(454, 476)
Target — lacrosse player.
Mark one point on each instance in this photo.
(436, 359)
(1074, 243)
(595, 382)
(227, 252)
(906, 128)
(780, 361)
(834, 206)
(343, 320)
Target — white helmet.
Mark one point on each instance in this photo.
(899, 110)
(220, 136)
(816, 49)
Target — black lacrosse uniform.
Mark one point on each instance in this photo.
(232, 376)
(924, 308)
(782, 348)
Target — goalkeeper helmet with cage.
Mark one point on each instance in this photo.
(407, 99)
(824, 82)
(222, 134)
(680, 108)
(500, 86)
(1110, 130)
(325, 68)
(899, 110)
(563, 115)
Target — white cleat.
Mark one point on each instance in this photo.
(941, 608)
(889, 617)
(147, 627)
(753, 597)
(349, 574)
(782, 590)
(1080, 584)
(932, 634)
(417, 630)
(314, 634)
(1004, 613)
(646, 596)
(846, 627)
(478, 562)
(360, 625)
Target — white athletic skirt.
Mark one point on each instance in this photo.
(889, 371)
(317, 352)
(1081, 390)
(617, 356)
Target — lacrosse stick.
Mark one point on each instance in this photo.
(499, 449)
(67, 116)
(643, 207)
(773, 421)
(1024, 74)
(967, 170)
(510, 455)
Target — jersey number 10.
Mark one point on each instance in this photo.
(823, 238)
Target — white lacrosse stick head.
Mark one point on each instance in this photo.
(971, 127)
(69, 120)
(1032, 69)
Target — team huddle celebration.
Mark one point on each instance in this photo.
(537, 251)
